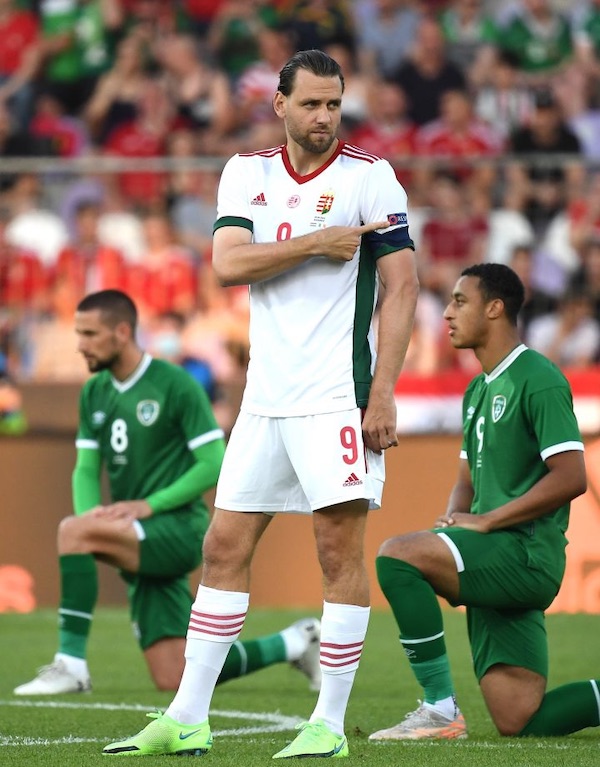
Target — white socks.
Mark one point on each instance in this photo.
(216, 620)
(343, 631)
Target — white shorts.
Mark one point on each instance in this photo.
(298, 464)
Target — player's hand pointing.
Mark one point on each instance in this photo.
(340, 242)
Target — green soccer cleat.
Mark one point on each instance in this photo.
(314, 739)
(165, 736)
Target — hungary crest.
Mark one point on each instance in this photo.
(498, 407)
(147, 411)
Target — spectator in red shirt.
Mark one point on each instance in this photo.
(452, 238)
(23, 278)
(144, 137)
(19, 33)
(459, 137)
(388, 132)
(165, 280)
(86, 263)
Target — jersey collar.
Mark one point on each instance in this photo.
(303, 179)
(506, 363)
(125, 385)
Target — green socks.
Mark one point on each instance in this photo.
(566, 709)
(419, 618)
(245, 657)
(79, 592)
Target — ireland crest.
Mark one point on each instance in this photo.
(147, 411)
(498, 407)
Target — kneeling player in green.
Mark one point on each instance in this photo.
(152, 427)
(499, 548)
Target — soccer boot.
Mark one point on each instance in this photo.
(165, 736)
(424, 723)
(54, 679)
(309, 662)
(314, 739)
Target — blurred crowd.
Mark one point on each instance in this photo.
(489, 112)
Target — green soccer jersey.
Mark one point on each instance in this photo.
(537, 50)
(146, 427)
(513, 420)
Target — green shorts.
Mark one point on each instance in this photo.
(159, 594)
(505, 598)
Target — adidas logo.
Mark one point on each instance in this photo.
(259, 199)
(352, 480)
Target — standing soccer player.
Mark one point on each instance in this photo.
(312, 226)
(152, 427)
(500, 547)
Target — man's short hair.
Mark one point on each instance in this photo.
(314, 61)
(499, 281)
(114, 305)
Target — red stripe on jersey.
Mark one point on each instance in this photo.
(359, 154)
(263, 152)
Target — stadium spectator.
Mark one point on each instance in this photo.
(85, 263)
(537, 302)
(570, 336)
(318, 23)
(233, 35)
(503, 100)
(462, 141)
(165, 279)
(387, 131)
(544, 187)
(541, 39)
(76, 47)
(471, 34)
(157, 422)
(452, 237)
(587, 276)
(19, 60)
(385, 34)
(256, 124)
(145, 136)
(24, 279)
(426, 73)
(115, 99)
(60, 134)
(499, 547)
(201, 93)
(586, 35)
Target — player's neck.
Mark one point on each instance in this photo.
(304, 163)
(491, 354)
(128, 362)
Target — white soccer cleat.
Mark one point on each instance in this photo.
(425, 723)
(309, 662)
(54, 679)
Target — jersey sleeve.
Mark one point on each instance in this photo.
(192, 409)
(384, 199)
(233, 201)
(85, 480)
(551, 413)
(86, 437)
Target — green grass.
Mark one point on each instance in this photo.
(70, 730)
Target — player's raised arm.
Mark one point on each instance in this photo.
(239, 261)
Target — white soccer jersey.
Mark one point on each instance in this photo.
(311, 341)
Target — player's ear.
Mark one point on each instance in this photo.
(124, 331)
(495, 308)
(279, 104)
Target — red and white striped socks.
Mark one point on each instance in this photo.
(216, 620)
(343, 631)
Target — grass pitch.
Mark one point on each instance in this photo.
(254, 717)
